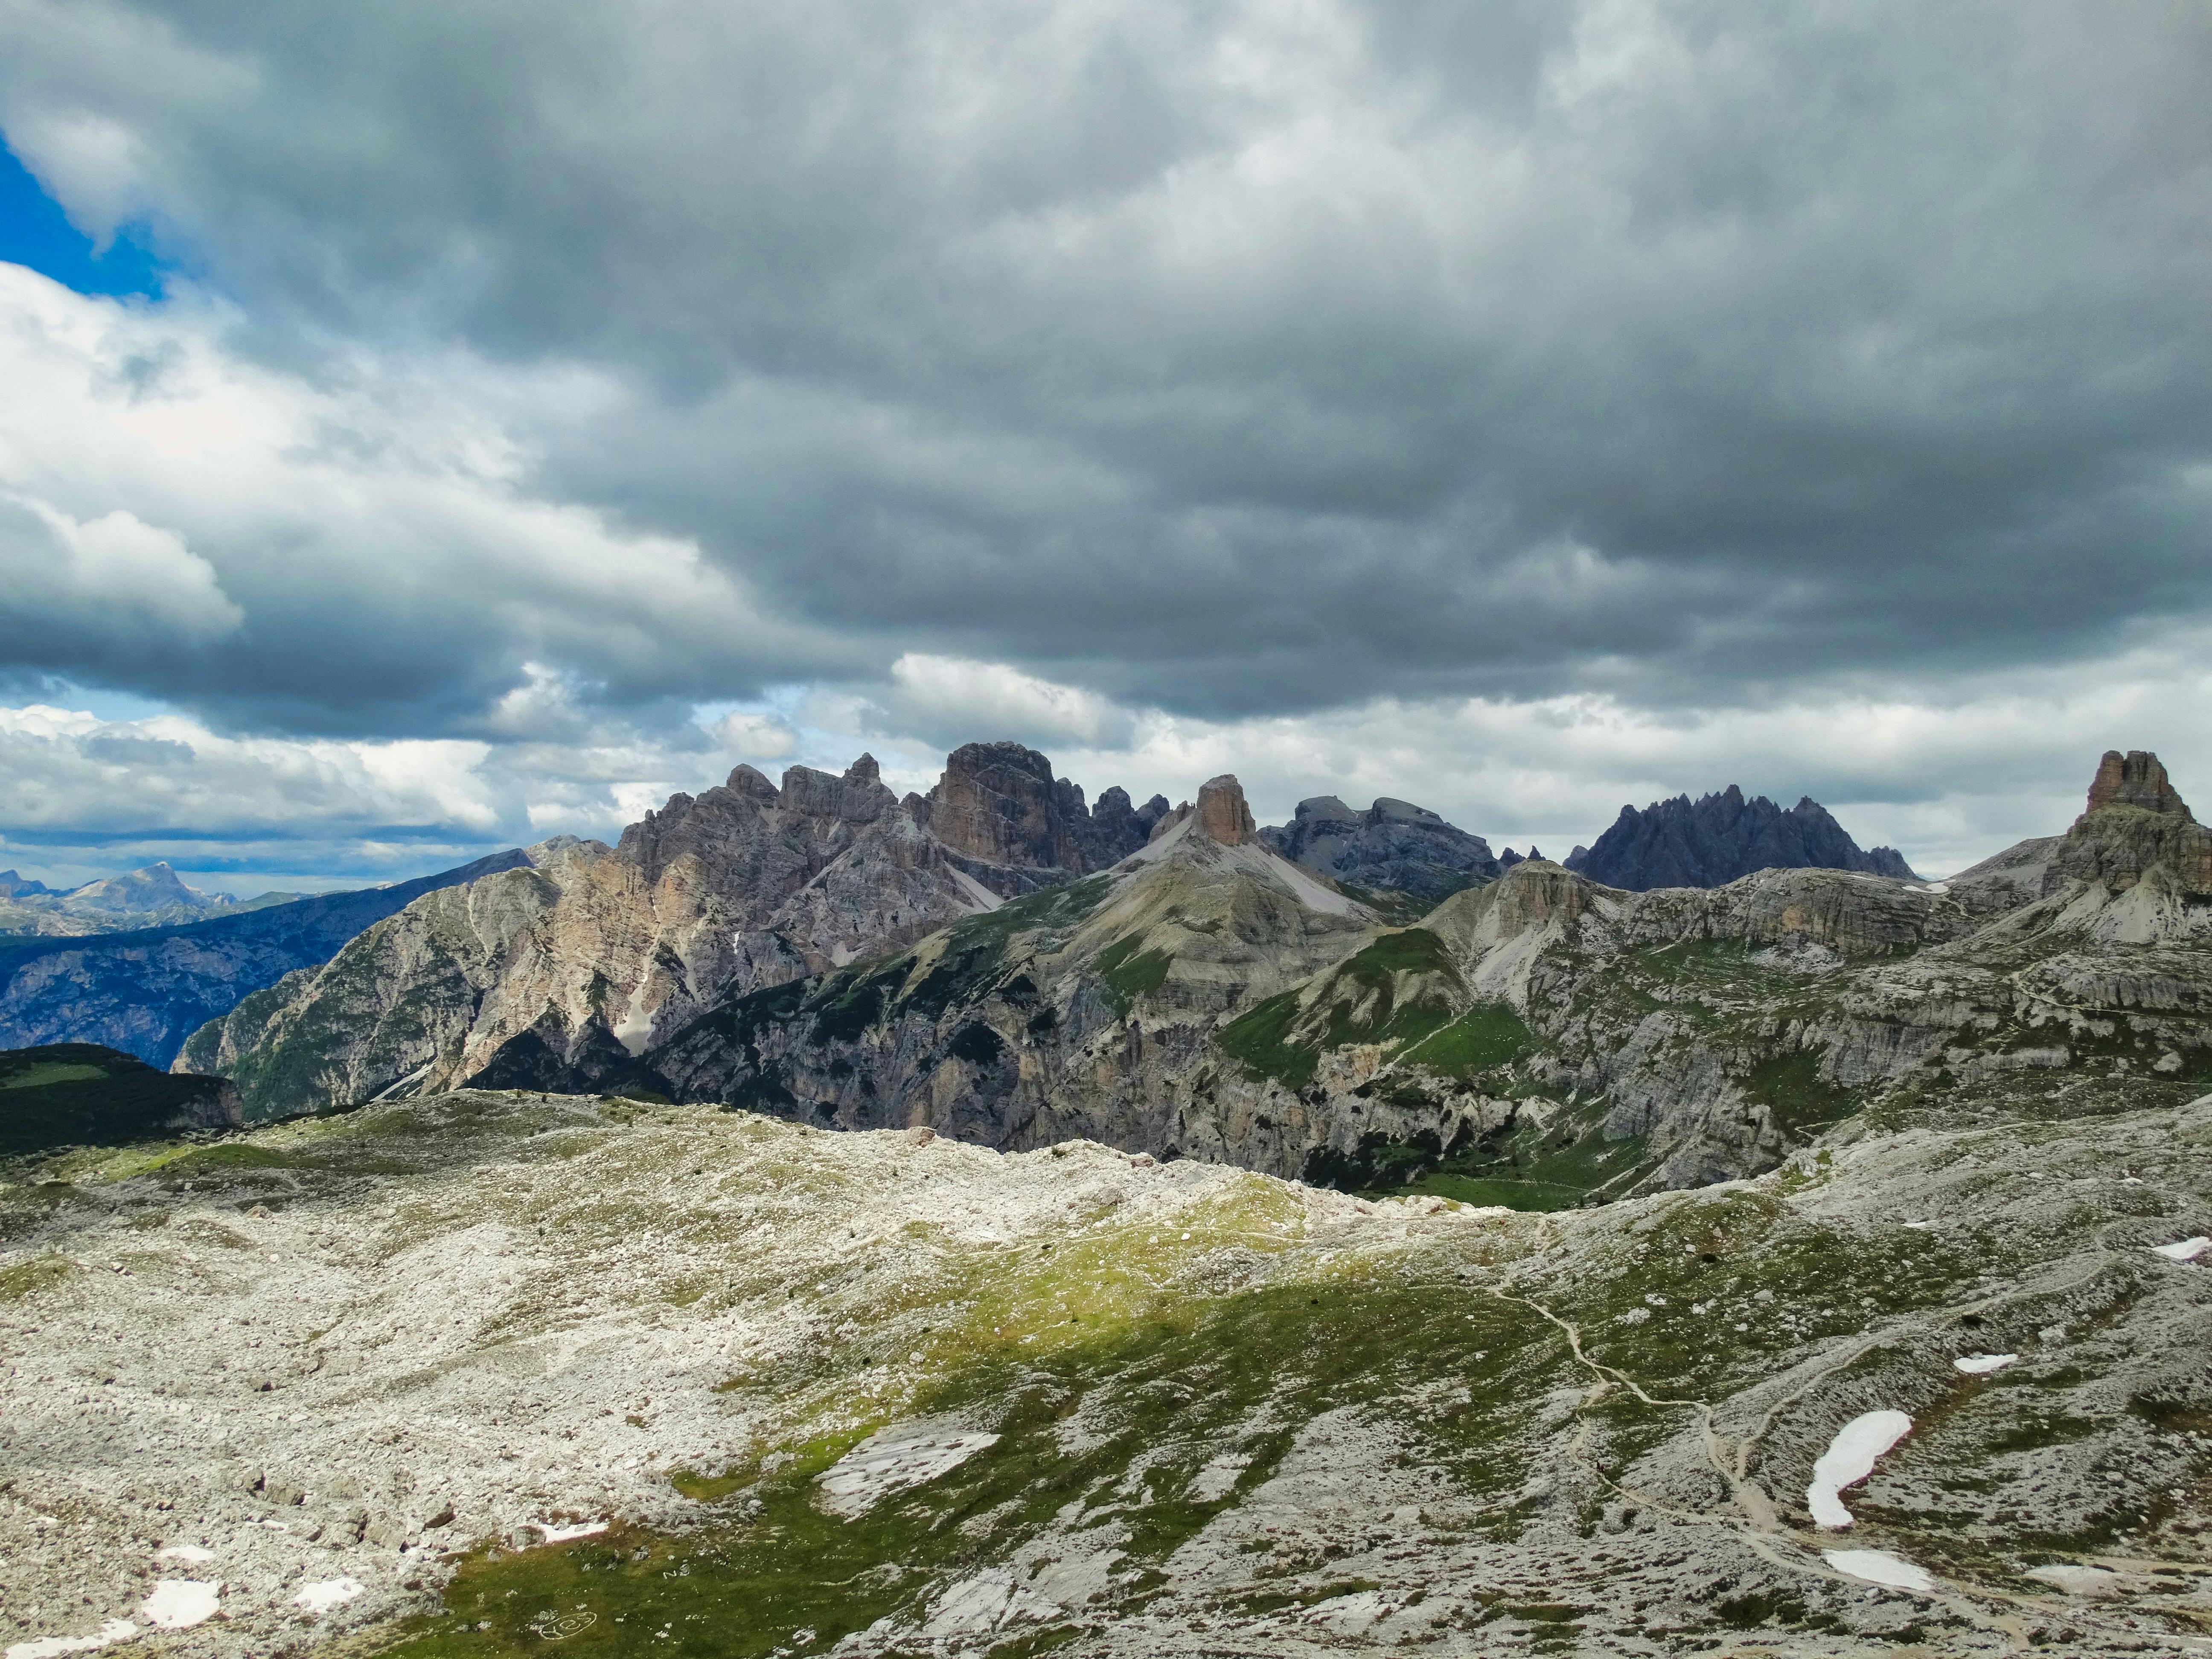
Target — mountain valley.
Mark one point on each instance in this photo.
(980, 1223)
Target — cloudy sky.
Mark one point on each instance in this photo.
(431, 426)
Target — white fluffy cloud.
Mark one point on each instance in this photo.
(366, 549)
(1522, 406)
(114, 575)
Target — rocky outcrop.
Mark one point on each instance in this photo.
(997, 802)
(1115, 828)
(1222, 812)
(2137, 780)
(1718, 838)
(2135, 820)
(1392, 847)
(998, 808)
(145, 991)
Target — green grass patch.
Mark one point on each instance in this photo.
(1486, 1192)
(1130, 974)
(1162, 1383)
(29, 1278)
(32, 1076)
(1791, 1085)
(1259, 1040)
(1485, 1037)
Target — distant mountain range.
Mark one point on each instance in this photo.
(144, 991)
(996, 963)
(155, 897)
(569, 960)
(1721, 838)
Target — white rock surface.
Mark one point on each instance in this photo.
(904, 1454)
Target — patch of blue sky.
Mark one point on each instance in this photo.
(116, 707)
(36, 232)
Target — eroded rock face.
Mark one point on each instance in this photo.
(1393, 846)
(1222, 812)
(1718, 838)
(2135, 779)
(997, 802)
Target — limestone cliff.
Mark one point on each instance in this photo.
(567, 971)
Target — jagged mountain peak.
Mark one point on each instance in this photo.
(156, 886)
(1721, 836)
(2135, 822)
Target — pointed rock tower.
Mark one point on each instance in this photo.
(2136, 820)
(1222, 813)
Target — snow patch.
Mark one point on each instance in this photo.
(180, 1603)
(191, 1554)
(1849, 1460)
(1981, 1364)
(51, 1647)
(2186, 1249)
(322, 1596)
(893, 1459)
(1880, 1567)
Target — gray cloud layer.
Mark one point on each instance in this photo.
(1242, 357)
(539, 373)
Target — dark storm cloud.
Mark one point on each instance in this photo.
(1232, 358)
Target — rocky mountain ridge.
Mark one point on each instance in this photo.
(579, 965)
(1540, 1040)
(1392, 847)
(1720, 837)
